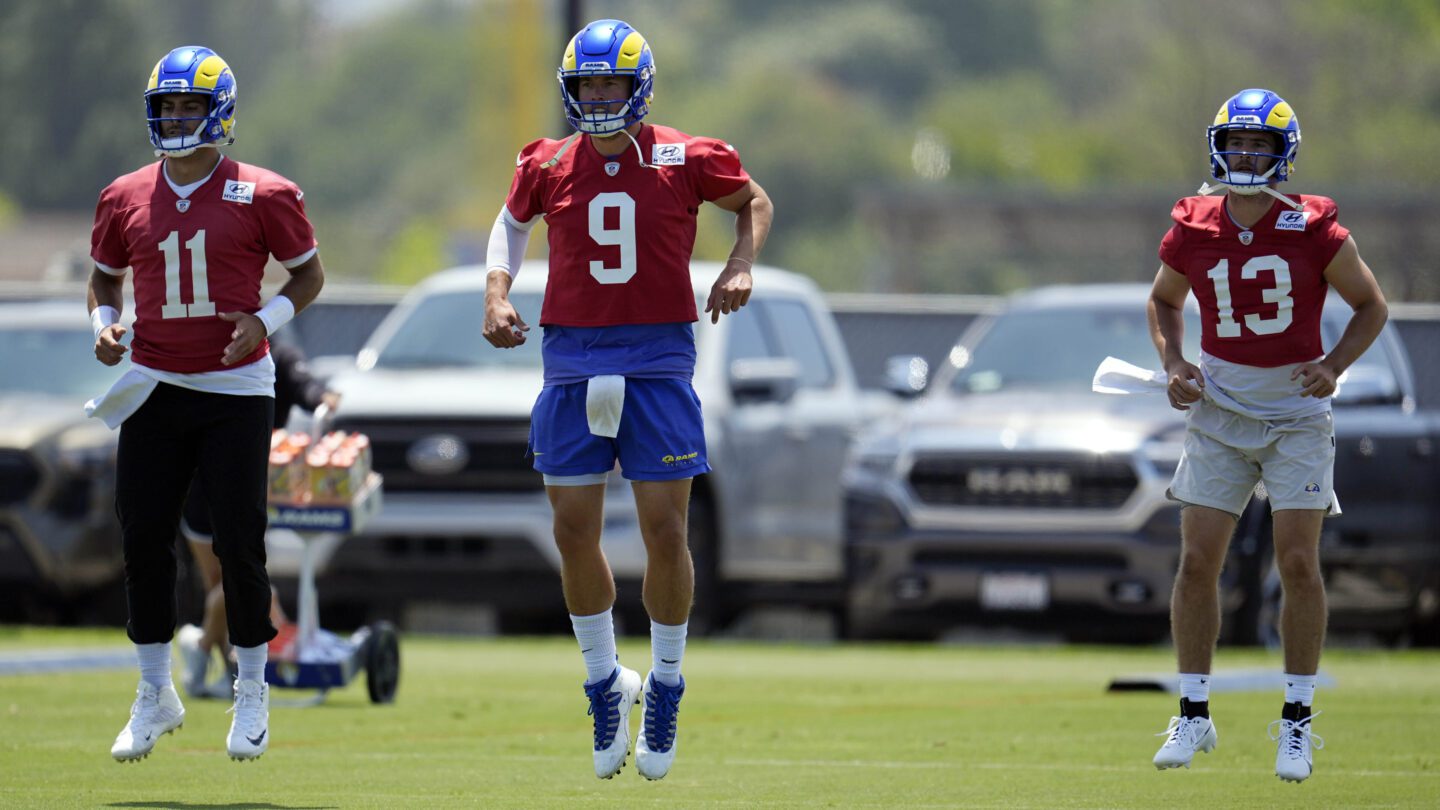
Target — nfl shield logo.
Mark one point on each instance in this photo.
(1246, 237)
(612, 168)
(182, 205)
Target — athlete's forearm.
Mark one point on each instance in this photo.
(1167, 332)
(1364, 327)
(304, 283)
(105, 290)
(752, 226)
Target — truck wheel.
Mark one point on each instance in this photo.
(707, 615)
(382, 662)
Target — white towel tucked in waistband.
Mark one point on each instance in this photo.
(604, 400)
(1115, 376)
(123, 399)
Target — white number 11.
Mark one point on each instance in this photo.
(199, 284)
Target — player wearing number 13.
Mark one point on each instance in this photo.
(1260, 264)
(620, 197)
(197, 228)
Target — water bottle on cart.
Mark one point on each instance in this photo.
(322, 487)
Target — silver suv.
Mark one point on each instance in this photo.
(466, 519)
(1011, 493)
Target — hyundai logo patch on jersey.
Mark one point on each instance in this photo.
(1292, 220)
(667, 154)
(239, 191)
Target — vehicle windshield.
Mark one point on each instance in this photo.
(55, 361)
(1058, 348)
(443, 331)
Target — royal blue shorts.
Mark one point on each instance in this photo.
(661, 435)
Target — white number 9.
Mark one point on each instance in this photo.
(622, 237)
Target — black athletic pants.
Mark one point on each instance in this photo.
(180, 433)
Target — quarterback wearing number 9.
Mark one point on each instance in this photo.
(198, 400)
(620, 197)
(1260, 264)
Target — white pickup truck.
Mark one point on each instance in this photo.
(466, 519)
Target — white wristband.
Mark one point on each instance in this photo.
(103, 316)
(276, 313)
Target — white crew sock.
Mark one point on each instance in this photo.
(667, 647)
(251, 662)
(1299, 689)
(596, 635)
(154, 664)
(1195, 686)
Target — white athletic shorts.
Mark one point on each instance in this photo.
(1227, 454)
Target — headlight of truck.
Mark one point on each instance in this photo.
(1163, 450)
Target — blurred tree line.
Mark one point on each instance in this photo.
(863, 120)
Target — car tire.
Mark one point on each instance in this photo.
(707, 614)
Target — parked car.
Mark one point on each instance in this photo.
(60, 556)
(466, 519)
(1011, 493)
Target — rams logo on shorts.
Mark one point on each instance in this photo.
(671, 459)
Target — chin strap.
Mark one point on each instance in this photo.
(559, 153)
(639, 153)
(1206, 188)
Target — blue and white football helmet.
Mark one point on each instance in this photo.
(1260, 110)
(606, 48)
(192, 69)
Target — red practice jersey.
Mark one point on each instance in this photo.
(1260, 289)
(194, 259)
(620, 233)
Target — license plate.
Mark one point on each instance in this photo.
(1014, 592)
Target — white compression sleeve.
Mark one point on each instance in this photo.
(508, 240)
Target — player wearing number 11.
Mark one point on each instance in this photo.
(620, 198)
(197, 228)
(1260, 264)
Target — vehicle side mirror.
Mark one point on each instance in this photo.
(1367, 385)
(764, 379)
(906, 375)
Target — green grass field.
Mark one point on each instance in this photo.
(501, 723)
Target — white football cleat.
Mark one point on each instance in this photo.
(155, 713)
(1183, 738)
(655, 747)
(1294, 759)
(250, 729)
(195, 660)
(610, 704)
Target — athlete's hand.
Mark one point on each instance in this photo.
(731, 290)
(1316, 379)
(249, 331)
(107, 346)
(504, 328)
(1186, 385)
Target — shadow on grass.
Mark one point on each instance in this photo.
(222, 806)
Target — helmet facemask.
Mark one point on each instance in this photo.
(192, 70)
(1242, 182)
(606, 48)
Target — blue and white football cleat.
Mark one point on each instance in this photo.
(610, 703)
(655, 747)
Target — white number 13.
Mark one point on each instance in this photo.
(199, 284)
(622, 236)
(1228, 327)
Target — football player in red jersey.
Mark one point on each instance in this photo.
(1260, 264)
(620, 197)
(197, 228)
